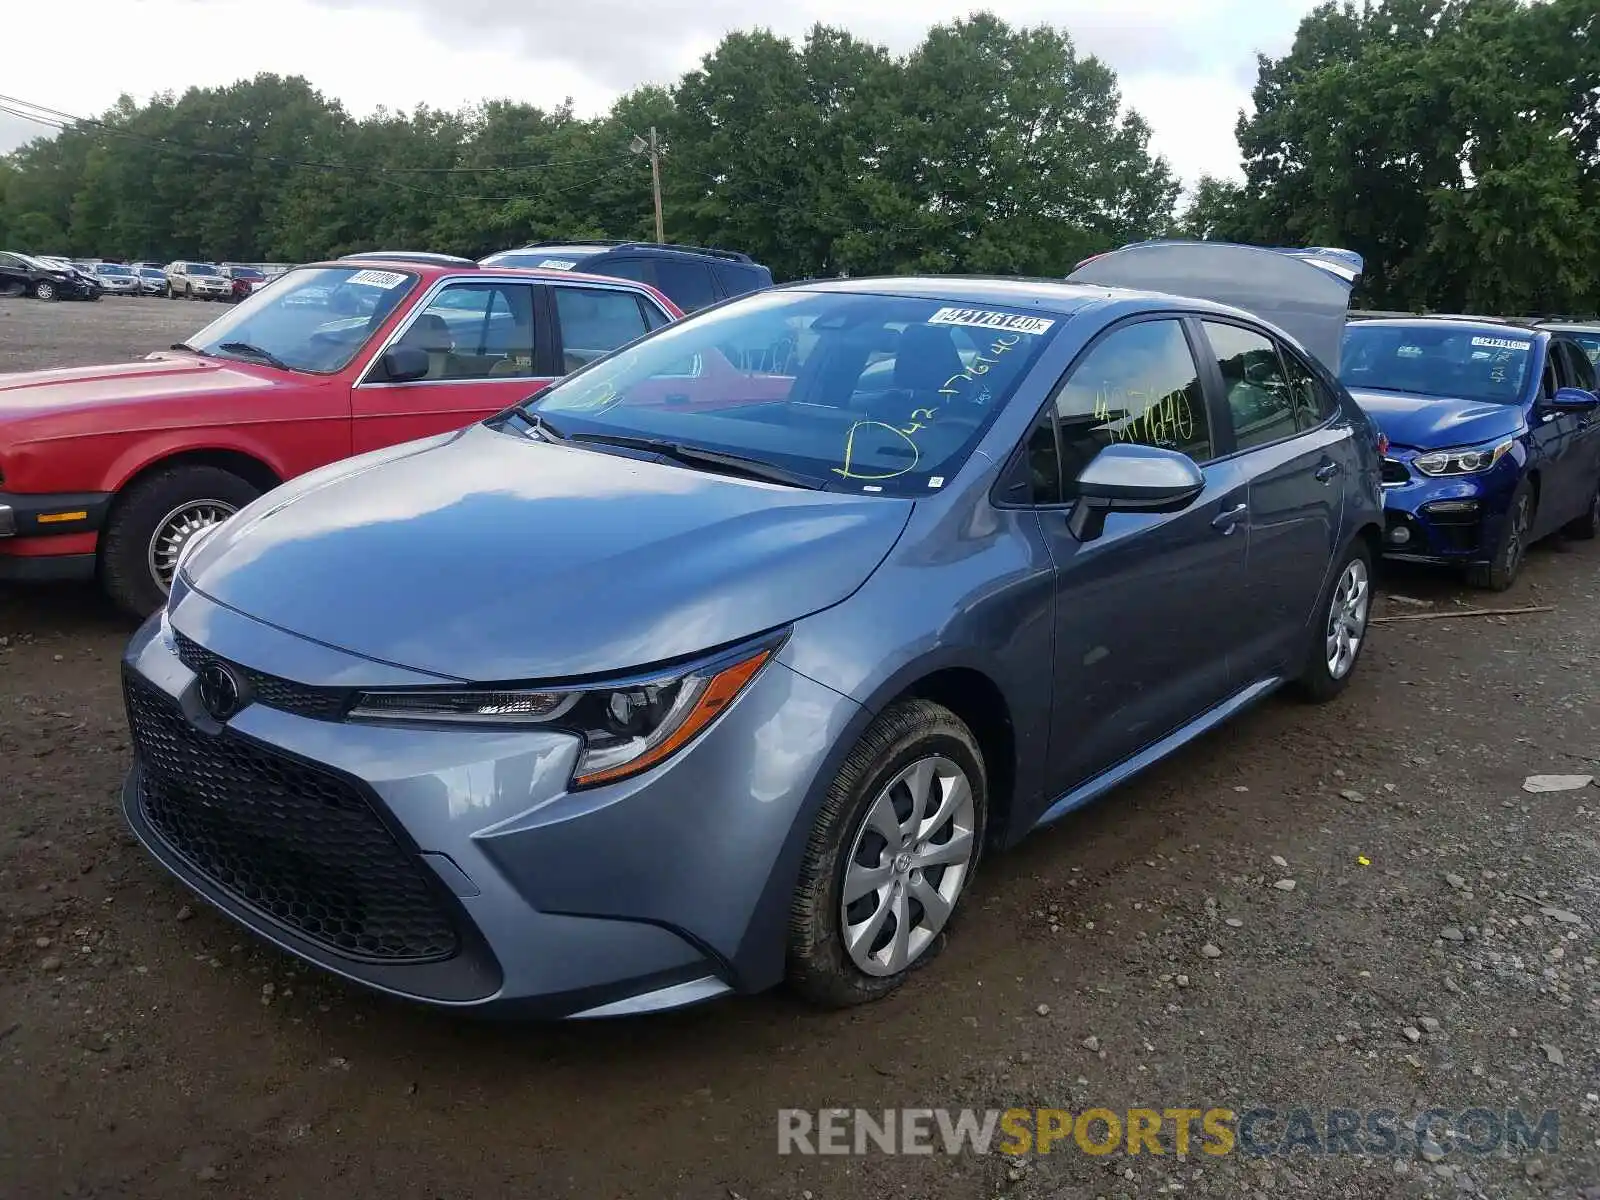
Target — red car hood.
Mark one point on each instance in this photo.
(41, 393)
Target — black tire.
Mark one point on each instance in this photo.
(45, 290)
(124, 549)
(172, 292)
(1317, 682)
(1510, 544)
(820, 968)
(1587, 527)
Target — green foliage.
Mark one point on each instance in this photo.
(1453, 143)
(987, 148)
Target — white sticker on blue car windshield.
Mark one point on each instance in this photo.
(1501, 343)
(381, 279)
(982, 318)
(559, 264)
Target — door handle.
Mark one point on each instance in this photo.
(1326, 471)
(1229, 520)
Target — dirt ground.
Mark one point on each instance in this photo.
(1437, 949)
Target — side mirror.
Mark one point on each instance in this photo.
(402, 364)
(1131, 478)
(1571, 399)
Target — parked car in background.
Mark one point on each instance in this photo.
(1492, 438)
(684, 677)
(152, 279)
(694, 276)
(197, 281)
(418, 256)
(243, 280)
(105, 472)
(23, 275)
(82, 273)
(117, 279)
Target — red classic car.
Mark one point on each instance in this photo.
(106, 471)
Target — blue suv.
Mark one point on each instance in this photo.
(1492, 438)
(693, 277)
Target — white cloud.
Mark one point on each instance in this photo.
(1184, 65)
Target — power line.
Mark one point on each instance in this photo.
(64, 121)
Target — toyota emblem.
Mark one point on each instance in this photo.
(219, 691)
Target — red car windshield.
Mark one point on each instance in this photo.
(315, 319)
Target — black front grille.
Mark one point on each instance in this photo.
(296, 843)
(1394, 471)
(303, 699)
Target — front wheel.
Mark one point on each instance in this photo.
(45, 290)
(1340, 630)
(1510, 548)
(890, 855)
(150, 523)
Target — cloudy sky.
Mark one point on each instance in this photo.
(1187, 65)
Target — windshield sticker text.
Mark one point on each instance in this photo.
(379, 279)
(1501, 343)
(559, 264)
(985, 319)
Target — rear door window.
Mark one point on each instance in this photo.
(735, 279)
(1261, 404)
(688, 282)
(1574, 369)
(594, 322)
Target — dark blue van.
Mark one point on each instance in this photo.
(692, 277)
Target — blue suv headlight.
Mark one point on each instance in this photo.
(1471, 461)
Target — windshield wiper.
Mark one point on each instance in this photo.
(698, 456)
(266, 356)
(189, 348)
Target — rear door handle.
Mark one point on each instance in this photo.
(1326, 471)
(1229, 520)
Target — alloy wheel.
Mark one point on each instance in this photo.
(1516, 536)
(173, 532)
(1347, 618)
(907, 866)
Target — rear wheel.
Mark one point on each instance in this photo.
(1510, 545)
(1587, 526)
(890, 855)
(151, 522)
(1341, 628)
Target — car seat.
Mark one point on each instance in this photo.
(431, 333)
(925, 361)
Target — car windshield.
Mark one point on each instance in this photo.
(1461, 362)
(246, 273)
(112, 269)
(313, 319)
(555, 258)
(152, 272)
(200, 269)
(868, 393)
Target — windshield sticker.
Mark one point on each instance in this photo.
(985, 319)
(936, 482)
(1501, 343)
(379, 279)
(559, 264)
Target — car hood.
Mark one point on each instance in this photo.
(1437, 423)
(159, 377)
(492, 557)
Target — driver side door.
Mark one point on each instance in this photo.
(489, 345)
(1151, 614)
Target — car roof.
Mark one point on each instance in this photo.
(1050, 295)
(1488, 325)
(429, 272)
(1569, 326)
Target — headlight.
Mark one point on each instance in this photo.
(1463, 462)
(627, 727)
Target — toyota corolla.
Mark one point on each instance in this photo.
(726, 659)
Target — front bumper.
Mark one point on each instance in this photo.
(1444, 519)
(50, 537)
(642, 895)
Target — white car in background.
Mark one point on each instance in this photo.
(197, 281)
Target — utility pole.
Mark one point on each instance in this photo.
(640, 146)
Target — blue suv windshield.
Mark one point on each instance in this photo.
(1458, 362)
(870, 393)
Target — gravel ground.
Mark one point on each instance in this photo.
(1437, 949)
(35, 336)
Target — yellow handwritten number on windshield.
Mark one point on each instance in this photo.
(848, 471)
